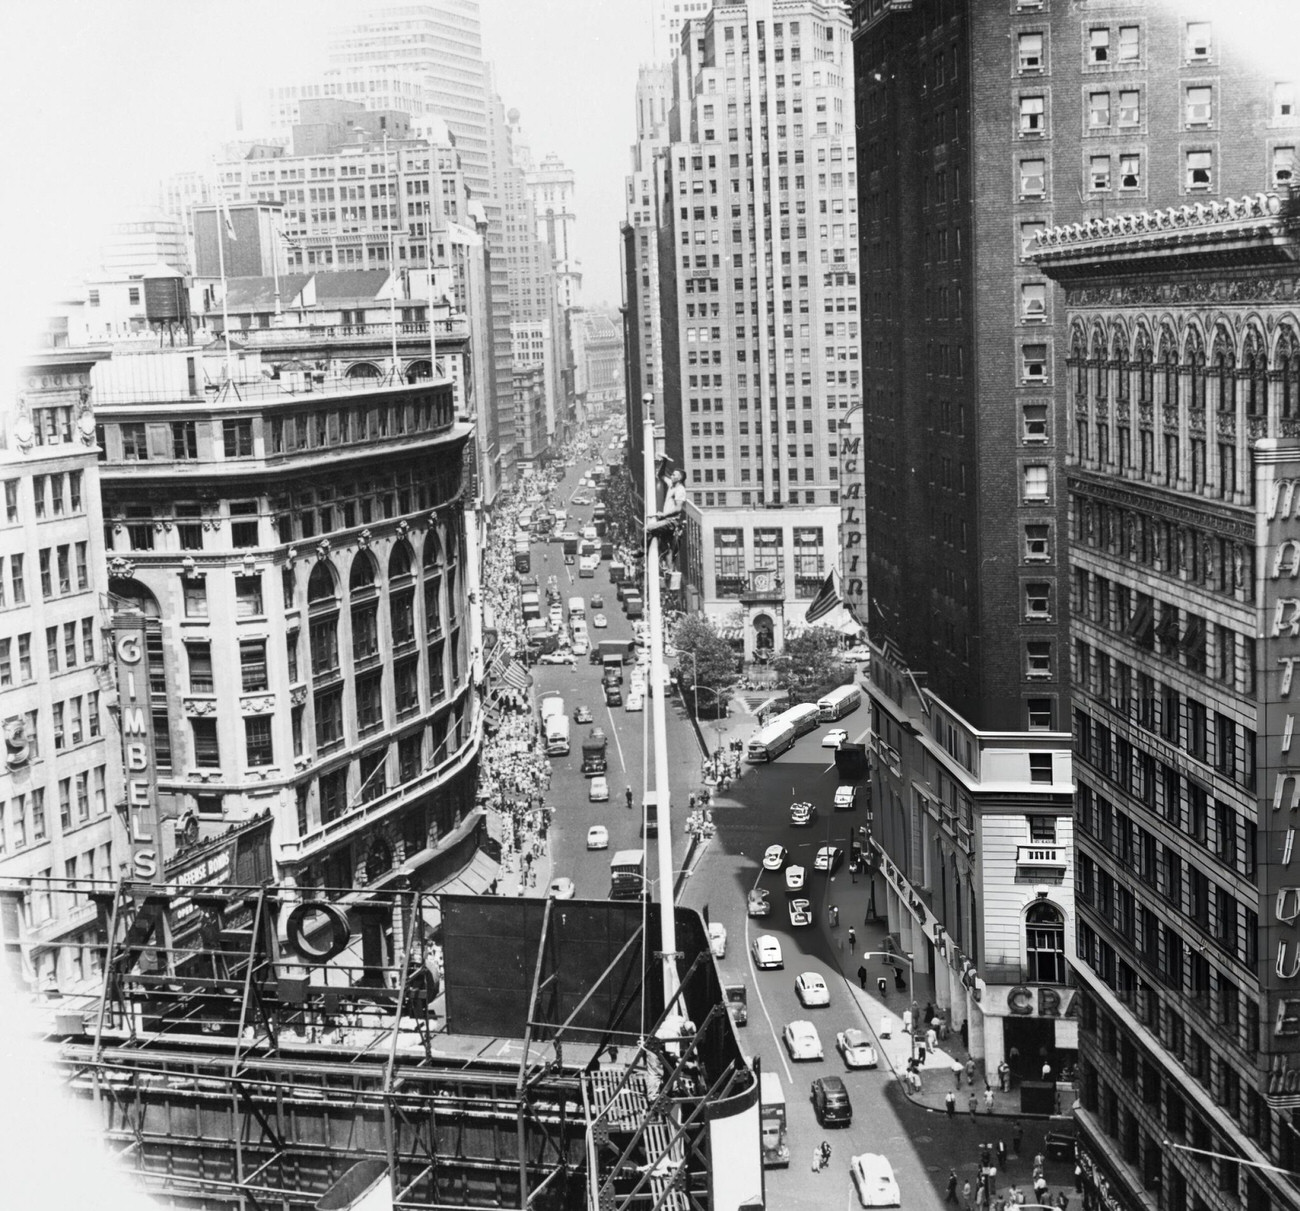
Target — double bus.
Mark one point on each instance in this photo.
(770, 742)
(627, 875)
(839, 703)
(803, 717)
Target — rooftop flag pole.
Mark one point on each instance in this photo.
(393, 203)
(225, 228)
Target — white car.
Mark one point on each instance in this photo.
(873, 1179)
(635, 702)
(718, 939)
(856, 656)
(774, 857)
(597, 837)
(845, 797)
(794, 876)
(802, 1041)
(828, 858)
(811, 990)
(834, 738)
(598, 789)
(600, 622)
(562, 889)
(802, 813)
(767, 952)
(589, 533)
(557, 658)
(800, 913)
(855, 1049)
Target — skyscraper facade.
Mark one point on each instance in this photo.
(758, 278)
(551, 191)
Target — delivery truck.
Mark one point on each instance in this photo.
(593, 754)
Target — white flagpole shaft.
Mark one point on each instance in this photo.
(667, 922)
(221, 265)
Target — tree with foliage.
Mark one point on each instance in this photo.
(811, 666)
(715, 667)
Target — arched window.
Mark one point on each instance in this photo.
(432, 553)
(1169, 367)
(362, 577)
(1225, 370)
(1195, 358)
(1079, 360)
(1098, 360)
(1287, 366)
(1145, 362)
(1119, 357)
(1045, 943)
(401, 596)
(399, 562)
(1255, 364)
(322, 604)
(320, 585)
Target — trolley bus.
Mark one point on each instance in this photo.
(839, 703)
(769, 743)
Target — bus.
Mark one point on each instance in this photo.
(839, 703)
(627, 875)
(804, 717)
(770, 742)
(523, 558)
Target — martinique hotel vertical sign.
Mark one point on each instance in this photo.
(1277, 572)
(143, 815)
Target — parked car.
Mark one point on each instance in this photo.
(856, 655)
(599, 621)
(597, 837)
(855, 1049)
(598, 789)
(635, 702)
(811, 989)
(874, 1181)
(794, 877)
(767, 952)
(831, 1103)
(802, 1040)
(561, 889)
(774, 857)
(718, 939)
(834, 738)
(757, 903)
(800, 913)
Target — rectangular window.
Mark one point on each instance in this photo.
(195, 589)
(1033, 178)
(252, 664)
(248, 596)
(1130, 107)
(1039, 714)
(1198, 41)
(135, 445)
(1098, 110)
(1130, 48)
(1098, 173)
(185, 440)
(237, 436)
(1038, 599)
(1099, 46)
(1033, 301)
(1038, 658)
(1130, 171)
(329, 718)
(1284, 99)
(1028, 230)
(83, 566)
(207, 751)
(47, 578)
(200, 662)
(1034, 422)
(1198, 106)
(1036, 482)
(257, 740)
(88, 640)
(1199, 169)
(1030, 52)
(1033, 363)
(370, 702)
(1283, 166)
(1032, 114)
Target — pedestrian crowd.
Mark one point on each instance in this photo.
(983, 1193)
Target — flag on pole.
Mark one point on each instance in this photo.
(225, 213)
(828, 597)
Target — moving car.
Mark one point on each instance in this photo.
(757, 904)
(802, 1041)
(613, 695)
(834, 738)
(802, 813)
(845, 797)
(635, 702)
(582, 714)
(599, 621)
(774, 857)
(598, 789)
(767, 952)
(561, 889)
(597, 837)
(794, 876)
(828, 858)
(856, 656)
(557, 658)
(718, 939)
(873, 1179)
(855, 1049)
(597, 602)
(831, 1102)
(811, 989)
(580, 499)
(800, 912)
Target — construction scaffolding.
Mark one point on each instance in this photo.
(250, 1048)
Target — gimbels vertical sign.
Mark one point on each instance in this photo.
(1277, 578)
(143, 818)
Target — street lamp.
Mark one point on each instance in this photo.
(890, 957)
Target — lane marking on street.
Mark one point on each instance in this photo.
(613, 727)
(762, 1003)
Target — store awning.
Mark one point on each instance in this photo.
(474, 879)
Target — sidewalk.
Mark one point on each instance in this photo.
(517, 878)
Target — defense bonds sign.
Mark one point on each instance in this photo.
(1277, 573)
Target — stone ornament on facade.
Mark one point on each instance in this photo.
(212, 523)
(364, 538)
(323, 548)
(200, 706)
(121, 568)
(403, 528)
(298, 696)
(85, 419)
(258, 705)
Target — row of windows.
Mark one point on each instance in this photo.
(57, 494)
(56, 565)
(1106, 46)
(750, 498)
(82, 797)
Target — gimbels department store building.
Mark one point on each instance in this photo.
(1181, 397)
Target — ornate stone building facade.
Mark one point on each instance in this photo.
(1182, 366)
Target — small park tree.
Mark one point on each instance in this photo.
(811, 666)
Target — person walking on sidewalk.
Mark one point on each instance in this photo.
(951, 1195)
(1017, 1136)
(950, 1101)
(965, 1196)
(1004, 1077)
(1002, 1156)
(970, 1073)
(862, 975)
(956, 1076)
(973, 1104)
(853, 937)
(988, 1099)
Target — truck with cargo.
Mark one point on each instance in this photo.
(624, 649)
(593, 754)
(634, 606)
(771, 1119)
(531, 604)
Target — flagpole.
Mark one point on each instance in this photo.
(221, 265)
(392, 265)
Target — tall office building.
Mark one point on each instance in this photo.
(758, 298)
(979, 126)
(61, 776)
(551, 191)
